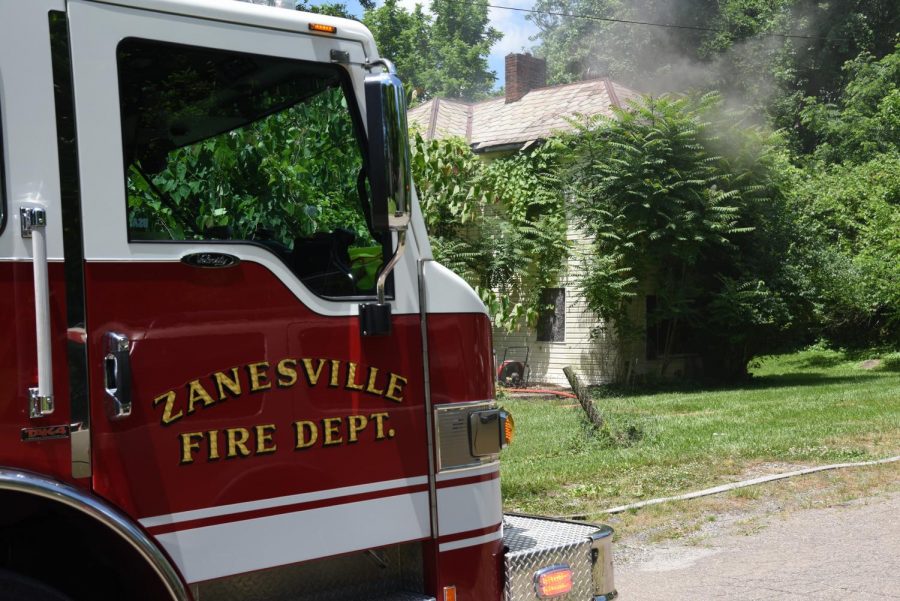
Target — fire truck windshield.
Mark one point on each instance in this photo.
(238, 147)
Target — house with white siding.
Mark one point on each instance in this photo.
(528, 113)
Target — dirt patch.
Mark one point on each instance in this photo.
(870, 364)
(768, 468)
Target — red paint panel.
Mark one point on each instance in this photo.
(460, 370)
(476, 572)
(18, 370)
(460, 357)
(469, 534)
(188, 323)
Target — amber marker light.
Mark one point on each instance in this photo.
(509, 427)
(322, 28)
(553, 581)
(449, 593)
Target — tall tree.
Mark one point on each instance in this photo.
(861, 121)
(405, 38)
(439, 53)
(461, 39)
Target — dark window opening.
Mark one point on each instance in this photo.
(551, 326)
(237, 147)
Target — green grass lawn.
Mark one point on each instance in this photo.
(812, 407)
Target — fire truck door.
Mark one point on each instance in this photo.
(237, 413)
(34, 384)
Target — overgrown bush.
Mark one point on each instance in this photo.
(684, 205)
(501, 226)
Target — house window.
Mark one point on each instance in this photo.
(551, 326)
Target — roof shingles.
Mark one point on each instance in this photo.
(541, 112)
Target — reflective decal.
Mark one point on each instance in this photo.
(45, 433)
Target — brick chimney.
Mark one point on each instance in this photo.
(524, 73)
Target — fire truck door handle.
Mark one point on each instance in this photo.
(117, 375)
(33, 223)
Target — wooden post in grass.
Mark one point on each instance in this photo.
(583, 397)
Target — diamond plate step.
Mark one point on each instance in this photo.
(526, 534)
(534, 543)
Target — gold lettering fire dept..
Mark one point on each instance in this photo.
(232, 443)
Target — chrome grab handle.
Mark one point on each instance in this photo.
(117, 375)
(34, 226)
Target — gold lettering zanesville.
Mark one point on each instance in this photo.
(231, 384)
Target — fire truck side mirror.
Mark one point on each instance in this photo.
(390, 176)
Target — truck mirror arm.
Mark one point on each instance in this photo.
(390, 179)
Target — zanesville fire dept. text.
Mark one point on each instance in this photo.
(222, 386)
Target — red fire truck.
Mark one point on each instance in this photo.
(230, 368)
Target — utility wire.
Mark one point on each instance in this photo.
(631, 22)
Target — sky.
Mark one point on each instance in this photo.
(515, 28)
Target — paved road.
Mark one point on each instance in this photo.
(845, 552)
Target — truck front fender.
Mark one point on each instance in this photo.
(72, 525)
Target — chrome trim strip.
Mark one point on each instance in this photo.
(468, 472)
(80, 438)
(387, 269)
(429, 411)
(105, 514)
(463, 404)
(28, 260)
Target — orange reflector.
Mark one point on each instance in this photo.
(509, 428)
(449, 593)
(322, 28)
(553, 581)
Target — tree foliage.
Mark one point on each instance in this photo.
(847, 197)
(864, 120)
(403, 37)
(672, 216)
(500, 226)
(814, 246)
(292, 173)
(851, 249)
(442, 52)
